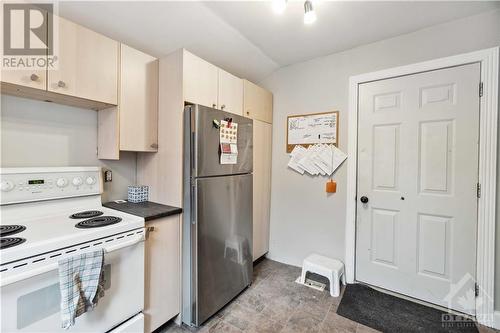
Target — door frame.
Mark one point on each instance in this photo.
(488, 124)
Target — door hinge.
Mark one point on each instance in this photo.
(481, 86)
(478, 190)
(476, 289)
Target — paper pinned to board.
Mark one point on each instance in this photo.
(228, 138)
(318, 159)
(296, 155)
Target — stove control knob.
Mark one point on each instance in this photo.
(77, 181)
(61, 182)
(90, 180)
(6, 186)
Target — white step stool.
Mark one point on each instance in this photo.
(332, 269)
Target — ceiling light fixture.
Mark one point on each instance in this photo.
(279, 6)
(309, 13)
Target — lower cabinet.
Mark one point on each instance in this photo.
(262, 139)
(162, 275)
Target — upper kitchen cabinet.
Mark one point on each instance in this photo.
(23, 77)
(257, 102)
(208, 85)
(36, 79)
(230, 93)
(87, 64)
(133, 124)
(138, 103)
(200, 81)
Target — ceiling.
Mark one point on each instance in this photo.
(248, 38)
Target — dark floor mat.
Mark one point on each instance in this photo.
(388, 313)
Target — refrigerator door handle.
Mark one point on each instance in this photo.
(194, 199)
(192, 152)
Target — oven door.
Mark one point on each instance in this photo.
(31, 303)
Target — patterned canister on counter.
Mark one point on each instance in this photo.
(138, 193)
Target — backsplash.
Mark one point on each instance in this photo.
(35, 133)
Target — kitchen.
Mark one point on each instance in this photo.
(117, 111)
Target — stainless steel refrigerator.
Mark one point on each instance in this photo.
(217, 226)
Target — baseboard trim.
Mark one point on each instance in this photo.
(495, 321)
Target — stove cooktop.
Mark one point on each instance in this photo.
(47, 214)
(49, 230)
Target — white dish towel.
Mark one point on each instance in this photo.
(81, 280)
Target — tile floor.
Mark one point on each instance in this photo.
(275, 303)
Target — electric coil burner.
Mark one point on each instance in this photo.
(97, 222)
(11, 229)
(7, 242)
(86, 214)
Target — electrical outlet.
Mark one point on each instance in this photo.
(108, 176)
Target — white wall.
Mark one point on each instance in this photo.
(35, 133)
(303, 218)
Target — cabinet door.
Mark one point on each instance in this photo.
(200, 81)
(230, 93)
(138, 100)
(87, 65)
(262, 138)
(29, 78)
(162, 276)
(257, 102)
(23, 77)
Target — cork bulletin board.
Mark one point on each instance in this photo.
(313, 128)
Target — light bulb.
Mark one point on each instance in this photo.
(279, 6)
(309, 13)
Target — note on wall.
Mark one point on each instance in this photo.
(310, 129)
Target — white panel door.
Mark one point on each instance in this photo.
(418, 169)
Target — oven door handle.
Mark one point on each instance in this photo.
(134, 240)
(53, 266)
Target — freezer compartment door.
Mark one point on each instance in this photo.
(206, 143)
(224, 241)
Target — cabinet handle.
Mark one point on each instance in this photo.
(61, 84)
(154, 145)
(34, 77)
(149, 230)
(223, 106)
(248, 112)
(214, 105)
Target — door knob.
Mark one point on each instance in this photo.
(363, 199)
(34, 77)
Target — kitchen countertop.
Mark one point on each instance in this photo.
(148, 210)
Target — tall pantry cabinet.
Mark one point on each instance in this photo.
(185, 78)
(262, 138)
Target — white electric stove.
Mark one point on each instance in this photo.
(51, 213)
